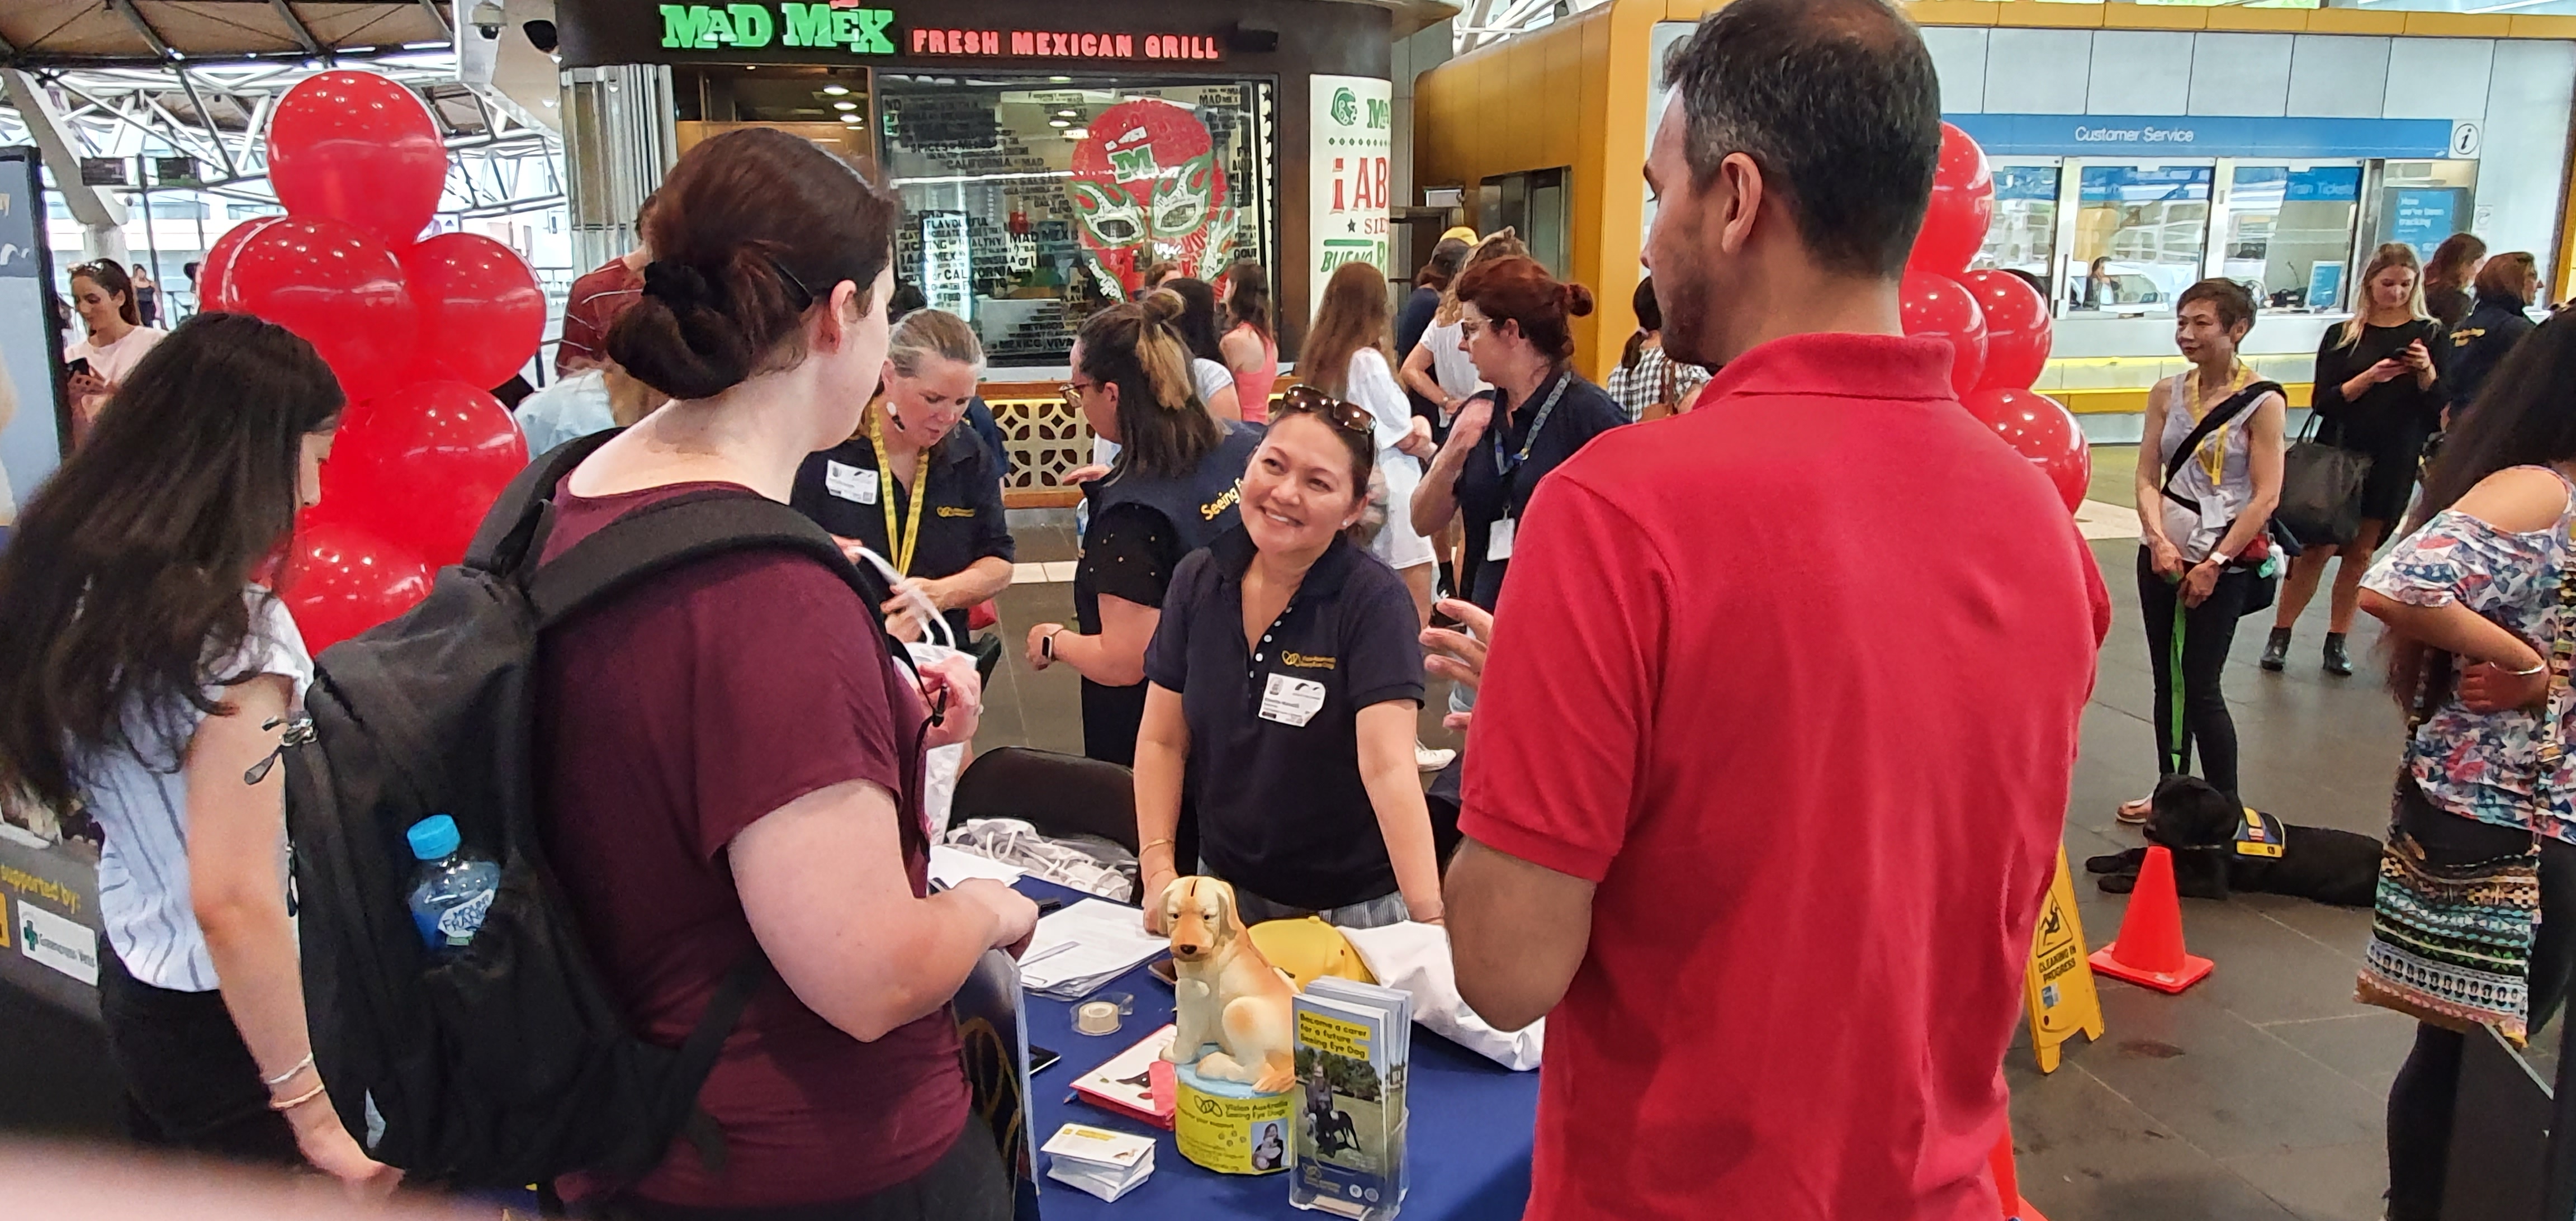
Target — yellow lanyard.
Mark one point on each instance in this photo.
(2213, 449)
(902, 544)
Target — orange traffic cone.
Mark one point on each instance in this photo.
(2149, 952)
(2008, 1181)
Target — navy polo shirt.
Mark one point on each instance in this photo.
(1485, 491)
(961, 514)
(1282, 810)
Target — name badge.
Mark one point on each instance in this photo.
(856, 483)
(1291, 701)
(1498, 540)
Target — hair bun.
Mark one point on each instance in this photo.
(1578, 300)
(1164, 305)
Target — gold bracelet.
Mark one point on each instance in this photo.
(289, 1075)
(2544, 664)
(298, 1100)
(1152, 843)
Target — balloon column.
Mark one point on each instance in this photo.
(417, 330)
(1995, 321)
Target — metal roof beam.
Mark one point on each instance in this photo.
(151, 37)
(295, 25)
(206, 116)
(438, 15)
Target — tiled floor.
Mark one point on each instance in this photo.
(2257, 1094)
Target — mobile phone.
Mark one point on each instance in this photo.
(1040, 1059)
(79, 367)
(1048, 905)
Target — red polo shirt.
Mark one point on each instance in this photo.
(1795, 678)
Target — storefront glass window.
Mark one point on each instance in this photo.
(2422, 202)
(2023, 235)
(1031, 204)
(2140, 234)
(2289, 232)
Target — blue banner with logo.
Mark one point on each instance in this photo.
(2094, 135)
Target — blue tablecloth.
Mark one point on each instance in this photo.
(1470, 1144)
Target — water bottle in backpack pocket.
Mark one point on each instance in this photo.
(452, 890)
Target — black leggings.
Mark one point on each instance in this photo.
(2421, 1101)
(2190, 709)
(190, 1082)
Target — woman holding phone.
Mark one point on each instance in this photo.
(2378, 392)
(103, 296)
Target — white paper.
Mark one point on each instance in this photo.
(949, 866)
(1084, 1143)
(1086, 945)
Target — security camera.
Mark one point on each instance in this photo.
(487, 19)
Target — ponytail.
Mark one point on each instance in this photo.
(1165, 429)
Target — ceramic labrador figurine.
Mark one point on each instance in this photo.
(1226, 994)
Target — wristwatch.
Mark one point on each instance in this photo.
(2220, 558)
(1046, 644)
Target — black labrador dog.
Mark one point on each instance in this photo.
(2218, 850)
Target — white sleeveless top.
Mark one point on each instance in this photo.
(2197, 527)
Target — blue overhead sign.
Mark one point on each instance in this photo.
(2095, 135)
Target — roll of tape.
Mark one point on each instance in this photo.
(1096, 1017)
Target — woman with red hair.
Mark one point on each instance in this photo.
(1514, 320)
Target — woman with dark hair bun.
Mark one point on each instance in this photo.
(1513, 322)
(144, 671)
(1170, 493)
(730, 754)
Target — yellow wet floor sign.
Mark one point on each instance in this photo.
(2057, 986)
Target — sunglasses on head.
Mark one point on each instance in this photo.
(1335, 411)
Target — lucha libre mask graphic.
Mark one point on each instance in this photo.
(1147, 188)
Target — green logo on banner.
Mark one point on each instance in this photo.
(706, 27)
(1346, 107)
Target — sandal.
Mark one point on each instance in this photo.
(2134, 813)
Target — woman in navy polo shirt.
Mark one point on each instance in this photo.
(944, 528)
(1283, 683)
(1513, 318)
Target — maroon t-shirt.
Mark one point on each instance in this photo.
(668, 720)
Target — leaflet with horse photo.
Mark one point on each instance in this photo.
(1354, 1048)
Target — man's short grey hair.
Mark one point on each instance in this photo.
(1836, 102)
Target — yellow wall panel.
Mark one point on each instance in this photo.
(1954, 12)
(2050, 16)
(2280, 20)
(2355, 21)
(2154, 17)
(2540, 26)
(2451, 25)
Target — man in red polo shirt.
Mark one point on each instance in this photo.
(597, 298)
(1767, 776)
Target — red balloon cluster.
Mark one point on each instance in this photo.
(1995, 321)
(415, 329)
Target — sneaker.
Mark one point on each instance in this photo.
(2134, 813)
(1430, 760)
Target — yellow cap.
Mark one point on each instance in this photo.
(1462, 233)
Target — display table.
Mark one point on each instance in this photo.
(1473, 1123)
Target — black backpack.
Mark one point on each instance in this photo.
(510, 1062)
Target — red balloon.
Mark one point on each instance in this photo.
(1938, 307)
(342, 579)
(216, 267)
(2039, 429)
(422, 465)
(2018, 331)
(1963, 205)
(360, 148)
(335, 286)
(481, 312)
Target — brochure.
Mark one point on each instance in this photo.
(1354, 1050)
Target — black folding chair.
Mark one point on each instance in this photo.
(1058, 794)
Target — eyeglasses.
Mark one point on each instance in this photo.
(1072, 395)
(1351, 416)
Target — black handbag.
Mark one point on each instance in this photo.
(2321, 490)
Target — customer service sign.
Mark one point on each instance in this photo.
(1354, 138)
